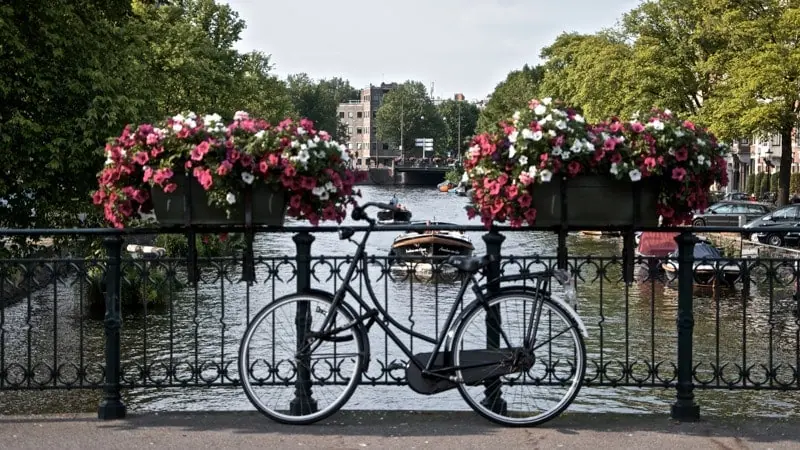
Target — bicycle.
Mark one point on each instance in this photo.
(327, 323)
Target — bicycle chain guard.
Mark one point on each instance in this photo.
(494, 367)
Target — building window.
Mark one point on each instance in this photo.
(341, 114)
(374, 146)
(744, 141)
(359, 130)
(374, 130)
(359, 115)
(776, 139)
(358, 146)
(385, 146)
(350, 114)
(349, 130)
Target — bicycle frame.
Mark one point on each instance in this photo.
(376, 313)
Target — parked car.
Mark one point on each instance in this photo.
(726, 213)
(785, 216)
(779, 238)
(732, 196)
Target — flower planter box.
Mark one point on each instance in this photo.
(595, 200)
(268, 206)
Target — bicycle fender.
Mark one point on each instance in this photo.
(364, 335)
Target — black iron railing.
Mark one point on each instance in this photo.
(72, 319)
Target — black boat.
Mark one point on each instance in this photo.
(424, 246)
(403, 215)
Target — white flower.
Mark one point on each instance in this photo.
(523, 160)
(474, 151)
(527, 134)
(539, 110)
(511, 151)
(635, 175)
(295, 143)
(320, 192)
(513, 136)
(311, 144)
(109, 161)
(248, 177)
(556, 151)
(552, 133)
(548, 118)
(566, 156)
(679, 133)
(330, 187)
(579, 118)
(533, 171)
(241, 115)
(516, 115)
(191, 123)
(178, 118)
(546, 175)
(465, 176)
(192, 115)
(176, 127)
(547, 100)
(301, 131)
(614, 169)
(303, 156)
(537, 136)
(231, 198)
(667, 112)
(576, 147)
(260, 134)
(701, 143)
(208, 119)
(657, 125)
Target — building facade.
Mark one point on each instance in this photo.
(359, 116)
(759, 154)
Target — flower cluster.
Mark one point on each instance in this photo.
(549, 139)
(312, 169)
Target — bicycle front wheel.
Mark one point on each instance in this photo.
(507, 378)
(292, 378)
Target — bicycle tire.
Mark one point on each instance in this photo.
(359, 338)
(580, 372)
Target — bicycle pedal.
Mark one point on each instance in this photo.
(395, 366)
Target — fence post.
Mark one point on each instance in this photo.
(684, 407)
(303, 402)
(493, 395)
(111, 407)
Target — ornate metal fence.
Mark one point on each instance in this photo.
(112, 320)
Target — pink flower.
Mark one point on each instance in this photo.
(681, 154)
(162, 175)
(170, 188)
(525, 178)
(200, 150)
(610, 144)
(615, 127)
(156, 151)
(512, 191)
(310, 183)
(289, 171)
(637, 127)
(204, 177)
(616, 158)
(148, 174)
(502, 179)
(329, 213)
(574, 168)
(141, 158)
(678, 173)
(152, 139)
(525, 200)
(530, 216)
(688, 125)
(263, 166)
(295, 202)
(224, 168)
(98, 197)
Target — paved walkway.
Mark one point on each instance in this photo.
(401, 430)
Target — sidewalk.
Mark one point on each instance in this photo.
(401, 430)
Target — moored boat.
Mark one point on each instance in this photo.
(709, 267)
(424, 246)
(401, 216)
(655, 247)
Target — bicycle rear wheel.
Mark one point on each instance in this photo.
(294, 381)
(526, 386)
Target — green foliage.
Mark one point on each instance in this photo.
(773, 182)
(750, 185)
(454, 174)
(460, 119)
(208, 246)
(794, 183)
(410, 107)
(73, 73)
(759, 178)
(143, 285)
(318, 99)
(764, 186)
(510, 95)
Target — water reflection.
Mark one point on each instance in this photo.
(739, 333)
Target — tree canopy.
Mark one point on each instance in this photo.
(510, 95)
(409, 108)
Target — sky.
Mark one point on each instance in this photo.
(465, 46)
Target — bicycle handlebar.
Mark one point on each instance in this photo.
(359, 213)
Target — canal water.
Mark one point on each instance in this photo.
(631, 328)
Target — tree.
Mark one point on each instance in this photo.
(760, 92)
(408, 112)
(594, 73)
(319, 100)
(460, 119)
(510, 95)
